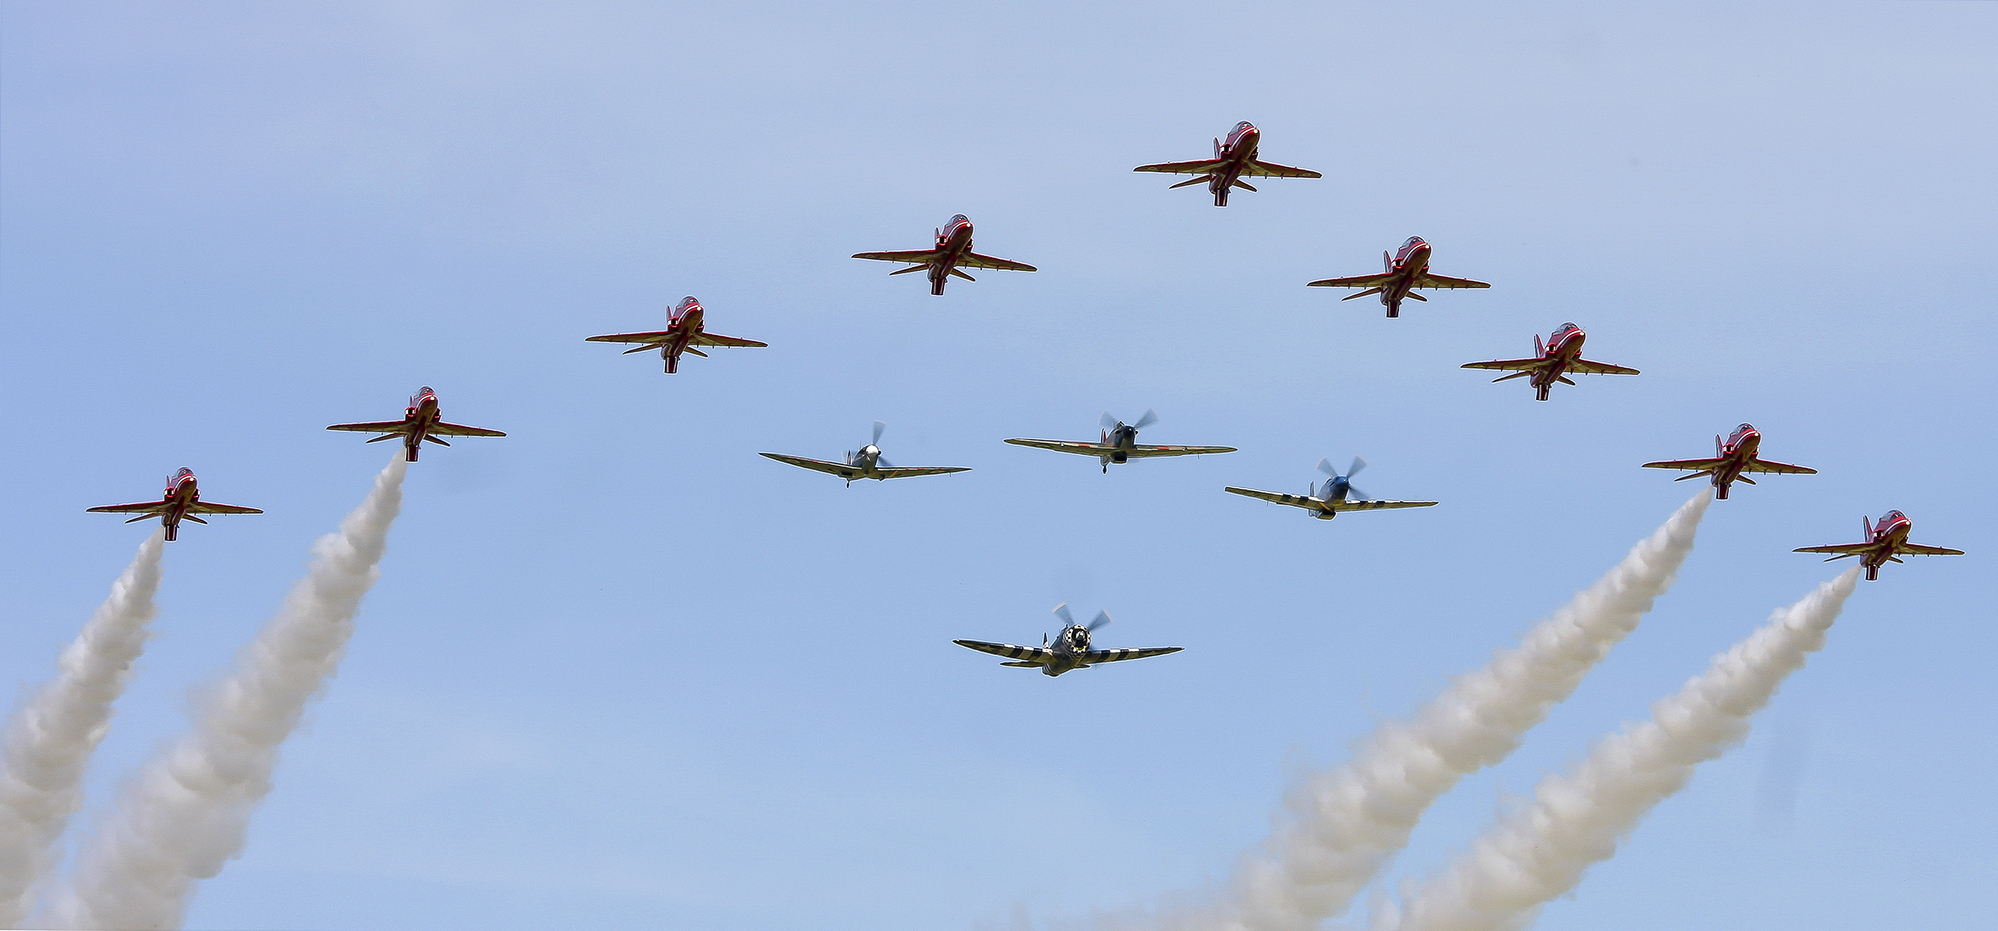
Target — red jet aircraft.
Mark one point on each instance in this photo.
(952, 250)
(421, 421)
(683, 332)
(1732, 458)
(1407, 269)
(1884, 542)
(1232, 160)
(182, 500)
(1552, 362)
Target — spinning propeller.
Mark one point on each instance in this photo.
(1111, 423)
(1338, 481)
(873, 444)
(1068, 620)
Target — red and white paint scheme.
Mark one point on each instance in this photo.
(182, 500)
(1232, 160)
(420, 421)
(684, 331)
(953, 249)
(1407, 269)
(1885, 542)
(1733, 458)
(1553, 361)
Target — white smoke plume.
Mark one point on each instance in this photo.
(1345, 824)
(188, 811)
(1538, 853)
(50, 738)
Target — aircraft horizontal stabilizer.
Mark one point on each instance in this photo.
(1199, 180)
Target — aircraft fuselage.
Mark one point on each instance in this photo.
(1563, 347)
(1735, 453)
(1235, 155)
(182, 491)
(1406, 265)
(953, 241)
(684, 324)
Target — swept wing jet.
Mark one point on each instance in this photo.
(1885, 542)
(1232, 160)
(684, 331)
(1120, 443)
(1070, 649)
(953, 249)
(1407, 269)
(867, 463)
(420, 421)
(1733, 457)
(182, 500)
(1337, 495)
(1552, 361)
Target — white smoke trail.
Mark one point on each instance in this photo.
(1576, 820)
(1345, 824)
(50, 739)
(187, 812)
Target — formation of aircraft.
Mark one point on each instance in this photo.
(1070, 649)
(867, 463)
(420, 421)
(1733, 458)
(1886, 542)
(1232, 160)
(1337, 495)
(1552, 361)
(181, 501)
(1407, 270)
(953, 249)
(1119, 443)
(685, 331)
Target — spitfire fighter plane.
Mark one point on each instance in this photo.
(420, 421)
(1407, 269)
(1232, 160)
(1120, 443)
(867, 463)
(1337, 495)
(182, 500)
(1070, 649)
(1733, 457)
(1885, 542)
(1552, 362)
(684, 331)
(953, 249)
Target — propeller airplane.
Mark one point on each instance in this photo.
(1337, 495)
(867, 463)
(1070, 649)
(1119, 443)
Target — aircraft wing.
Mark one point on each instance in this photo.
(1585, 367)
(1843, 549)
(1685, 464)
(910, 471)
(1142, 452)
(458, 429)
(974, 260)
(1093, 657)
(917, 256)
(206, 507)
(143, 507)
(817, 465)
(1030, 656)
(1921, 550)
(1426, 280)
(1078, 447)
(1202, 167)
(1764, 465)
(1508, 365)
(1371, 505)
(1357, 281)
(383, 426)
(1257, 169)
(652, 337)
(716, 339)
(1276, 497)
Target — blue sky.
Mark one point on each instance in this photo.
(620, 671)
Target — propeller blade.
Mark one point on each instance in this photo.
(1061, 611)
(1355, 468)
(1151, 417)
(1325, 466)
(883, 462)
(1108, 422)
(1356, 494)
(1102, 619)
(878, 427)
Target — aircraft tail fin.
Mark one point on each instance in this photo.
(1217, 147)
(1387, 261)
(1539, 348)
(1718, 446)
(1864, 521)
